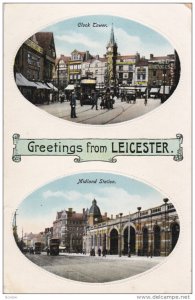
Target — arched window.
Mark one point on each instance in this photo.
(175, 229)
(157, 240)
(114, 241)
(145, 241)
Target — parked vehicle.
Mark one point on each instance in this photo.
(54, 246)
(128, 94)
(131, 95)
(86, 99)
(154, 92)
(37, 248)
(88, 86)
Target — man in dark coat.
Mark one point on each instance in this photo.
(73, 105)
(94, 100)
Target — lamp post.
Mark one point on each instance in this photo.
(165, 227)
(139, 208)
(120, 215)
(164, 82)
(129, 237)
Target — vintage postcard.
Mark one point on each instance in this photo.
(97, 148)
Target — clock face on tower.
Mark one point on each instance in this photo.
(109, 49)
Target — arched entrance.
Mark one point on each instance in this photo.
(114, 241)
(145, 241)
(174, 235)
(132, 240)
(156, 240)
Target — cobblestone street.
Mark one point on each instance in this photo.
(121, 112)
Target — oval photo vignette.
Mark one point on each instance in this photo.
(96, 227)
(97, 69)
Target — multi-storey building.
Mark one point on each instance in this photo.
(95, 68)
(69, 227)
(29, 60)
(34, 66)
(35, 59)
(125, 68)
(154, 231)
(46, 41)
(161, 70)
(74, 65)
(30, 239)
(48, 235)
(141, 72)
(60, 76)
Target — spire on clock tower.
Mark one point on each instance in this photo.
(112, 41)
(111, 55)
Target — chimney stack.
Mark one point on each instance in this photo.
(87, 55)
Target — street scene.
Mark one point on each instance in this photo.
(121, 111)
(99, 269)
(96, 227)
(118, 78)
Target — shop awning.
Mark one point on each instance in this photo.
(52, 86)
(22, 81)
(165, 89)
(70, 87)
(143, 89)
(154, 90)
(88, 81)
(42, 86)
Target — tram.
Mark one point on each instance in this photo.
(54, 246)
(88, 85)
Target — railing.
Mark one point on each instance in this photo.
(135, 216)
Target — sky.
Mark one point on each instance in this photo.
(38, 210)
(130, 36)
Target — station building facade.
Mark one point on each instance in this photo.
(154, 231)
(69, 228)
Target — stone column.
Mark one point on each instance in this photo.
(122, 241)
(107, 241)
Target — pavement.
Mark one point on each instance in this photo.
(96, 269)
(114, 257)
(121, 111)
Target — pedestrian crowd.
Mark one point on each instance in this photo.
(97, 99)
(100, 252)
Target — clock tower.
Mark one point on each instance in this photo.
(111, 55)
